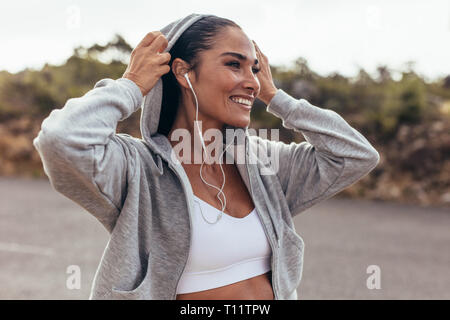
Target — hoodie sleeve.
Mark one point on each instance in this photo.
(333, 157)
(82, 155)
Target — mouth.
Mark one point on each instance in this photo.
(246, 104)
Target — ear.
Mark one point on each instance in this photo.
(179, 69)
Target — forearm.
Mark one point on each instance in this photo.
(325, 129)
(91, 119)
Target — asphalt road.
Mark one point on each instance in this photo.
(42, 233)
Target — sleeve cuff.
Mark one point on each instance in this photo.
(133, 89)
(281, 104)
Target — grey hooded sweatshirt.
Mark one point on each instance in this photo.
(144, 198)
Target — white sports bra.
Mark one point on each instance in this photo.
(232, 250)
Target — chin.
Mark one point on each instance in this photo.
(242, 122)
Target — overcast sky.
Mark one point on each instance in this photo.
(334, 36)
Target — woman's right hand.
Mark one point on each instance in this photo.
(147, 63)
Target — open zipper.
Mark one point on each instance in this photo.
(190, 230)
(274, 283)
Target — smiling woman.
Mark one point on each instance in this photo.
(215, 61)
(217, 55)
(222, 80)
(160, 211)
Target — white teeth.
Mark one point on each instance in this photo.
(242, 101)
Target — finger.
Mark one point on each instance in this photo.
(148, 39)
(258, 50)
(164, 69)
(159, 44)
(164, 58)
(256, 46)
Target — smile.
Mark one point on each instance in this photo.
(243, 103)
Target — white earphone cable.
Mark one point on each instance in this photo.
(204, 149)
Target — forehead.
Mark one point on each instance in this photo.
(232, 40)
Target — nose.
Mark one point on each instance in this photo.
(251, 82)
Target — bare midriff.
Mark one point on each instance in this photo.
(256, 288)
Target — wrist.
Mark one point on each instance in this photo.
(130, 76)
(268, 97)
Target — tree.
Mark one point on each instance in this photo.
(115, 50)
(384, 74)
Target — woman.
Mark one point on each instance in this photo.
(174, 233)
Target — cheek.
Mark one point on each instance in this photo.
(224, 82)
(229, 81)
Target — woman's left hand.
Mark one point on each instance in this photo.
(267, 87)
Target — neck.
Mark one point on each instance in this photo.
(185, 121)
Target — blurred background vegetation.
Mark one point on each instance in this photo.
(407, 119)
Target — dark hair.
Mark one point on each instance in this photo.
(197, 38)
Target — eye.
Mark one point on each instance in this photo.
(237, 65)
(234, 64)
(256, 70)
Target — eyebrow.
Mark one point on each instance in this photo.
(237, 55)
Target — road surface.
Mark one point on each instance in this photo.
(42, 233)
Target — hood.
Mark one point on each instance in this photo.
(151, 105)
